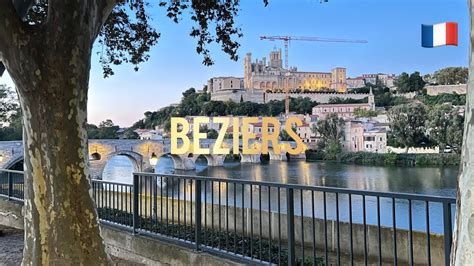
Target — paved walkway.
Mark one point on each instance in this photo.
(11, 248)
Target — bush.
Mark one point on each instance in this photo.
(369, 158)
(216, 238)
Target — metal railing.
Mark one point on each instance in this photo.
(12, 185)
(265, 222)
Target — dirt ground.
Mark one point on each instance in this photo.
(11, 248)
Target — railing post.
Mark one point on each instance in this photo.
(135, 202)
(448, 232)
(291, 226)
(155, 197)
(197, 212)
(10, 185)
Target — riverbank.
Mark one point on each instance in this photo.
(369, 158)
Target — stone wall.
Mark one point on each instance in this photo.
(413, 150)
(439, 89)
(258, 96)
(318, 97)
(237, 96)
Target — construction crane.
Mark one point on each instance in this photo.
(287, 39)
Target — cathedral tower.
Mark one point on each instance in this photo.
(248, 71)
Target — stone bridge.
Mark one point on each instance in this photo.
(138, 151)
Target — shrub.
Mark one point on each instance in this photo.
(369, 158)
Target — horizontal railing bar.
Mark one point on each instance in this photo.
(396, 195)
(11, 198)
(11, 171)
(112, 183)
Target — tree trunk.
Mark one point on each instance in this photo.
(50, 64)
(61, 225)
(462, 252)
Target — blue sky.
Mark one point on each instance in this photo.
(391, 27)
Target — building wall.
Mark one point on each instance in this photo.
(224, 83)
(439, 89)
(319, 97)
(353, 137)
(375, 142)
(342, 110)
(256, 96)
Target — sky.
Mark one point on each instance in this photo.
(391, 27)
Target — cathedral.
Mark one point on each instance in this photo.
(271, 76)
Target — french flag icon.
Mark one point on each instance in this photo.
(440, 34)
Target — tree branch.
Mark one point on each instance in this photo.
(103, 12)
(10, 25)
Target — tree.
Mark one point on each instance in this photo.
(451, 75)
(8, 105)
(130, 134)
(402, 82)
(10, 115)
(331, 130)
(445, 126)
(416, 81)
(407, 124)
(47, 50)
(463, 249)
(409, 83)
(212, 133)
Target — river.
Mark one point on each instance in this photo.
(440, 181)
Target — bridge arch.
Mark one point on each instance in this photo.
(134, 157)
(209, 158)
(177, 160)
(15, 163)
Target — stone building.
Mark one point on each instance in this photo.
(354, 83)
(345, 111)
(217, 84)
(272, 76)
(365, 136)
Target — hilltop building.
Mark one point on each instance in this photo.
(265, 81)
(386, 80)
(271, 76)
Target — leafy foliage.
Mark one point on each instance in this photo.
(194, 103)
(360, 112)
(409, 83)
(446, 126)
(127, 35)
(8, 104)
(370, 158)
(407, 124)
(10, 115)
(229, 241)
(337, 100)
(106, 130)
(451, 75)
(455, 99)
(331, 130)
